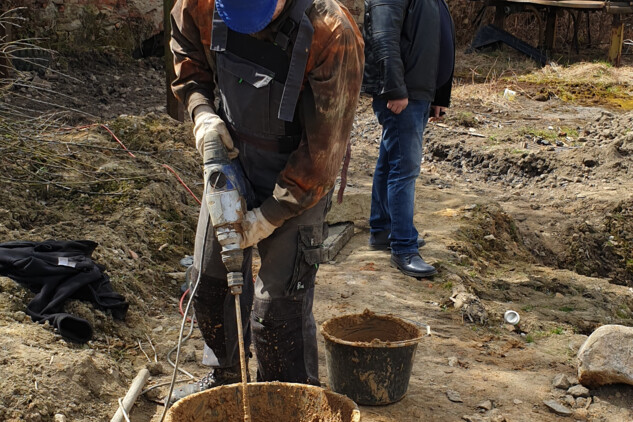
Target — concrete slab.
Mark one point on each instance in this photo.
(338, 236)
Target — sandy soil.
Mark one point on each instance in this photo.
(524, 202)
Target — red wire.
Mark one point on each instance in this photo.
(182, 299)
(117, 139)
(183, 183)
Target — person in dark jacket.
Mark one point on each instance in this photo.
(409, 61)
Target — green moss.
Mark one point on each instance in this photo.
(623, 313)
(539, 133)
(571, 132)
(465, 119)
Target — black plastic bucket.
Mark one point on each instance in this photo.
(369, 357)
(269, 402)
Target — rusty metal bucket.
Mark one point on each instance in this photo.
(269, 402)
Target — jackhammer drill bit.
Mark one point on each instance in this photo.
(227, 206)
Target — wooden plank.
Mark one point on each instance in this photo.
(617, 38)
(174, 107)
(500, 15)
(550, 29)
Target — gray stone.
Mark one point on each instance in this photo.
(454, 396)
(578, 391)
(475, 418)
(561, 381)
(569, 400)
(557, 408)
(605, 358)
(495, 415)
(485, 405)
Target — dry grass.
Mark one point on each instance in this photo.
(585, 73)
(483, 77)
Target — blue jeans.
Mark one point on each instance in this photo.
(397, 168)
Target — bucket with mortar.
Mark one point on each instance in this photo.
(369, 357)
(269, 401)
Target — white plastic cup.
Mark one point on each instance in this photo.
(511, 317)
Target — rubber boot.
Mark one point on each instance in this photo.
(215, 378)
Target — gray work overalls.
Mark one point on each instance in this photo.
(260, 84)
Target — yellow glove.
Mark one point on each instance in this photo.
(207, 122)
(255, 228)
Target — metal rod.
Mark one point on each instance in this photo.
(240, 340)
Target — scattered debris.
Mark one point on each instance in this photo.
(509, 94)
(470, 305)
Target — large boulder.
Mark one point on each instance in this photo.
(606, 357)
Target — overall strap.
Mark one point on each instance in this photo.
(219, 33)
(300, 52)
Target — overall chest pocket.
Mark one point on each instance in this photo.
(250, 96)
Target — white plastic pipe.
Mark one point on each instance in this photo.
(131, 396)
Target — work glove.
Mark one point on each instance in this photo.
(255, 227)
(206, 123)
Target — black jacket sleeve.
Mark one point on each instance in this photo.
(387, 18)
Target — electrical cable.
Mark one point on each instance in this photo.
(183, 183)
(182, 327)
(123, 411)
(175, 347)
(182, 299)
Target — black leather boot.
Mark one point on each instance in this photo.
(413, 265)
(380, 241)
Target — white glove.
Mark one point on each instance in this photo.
(255, 228)
(205, 122)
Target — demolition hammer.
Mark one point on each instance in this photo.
(225, 191)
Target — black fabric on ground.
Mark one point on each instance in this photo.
(56, 271)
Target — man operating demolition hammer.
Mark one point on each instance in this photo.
(276, 82)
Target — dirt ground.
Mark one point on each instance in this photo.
(524, 201)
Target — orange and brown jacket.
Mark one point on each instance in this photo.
(327, 103)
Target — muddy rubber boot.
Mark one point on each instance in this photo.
(215, 378)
